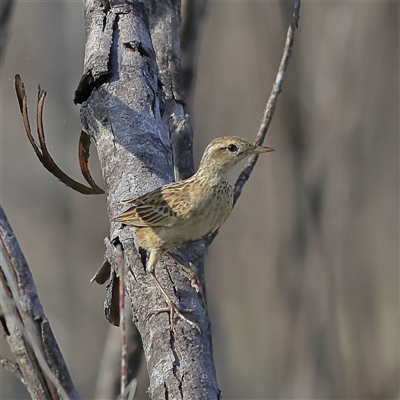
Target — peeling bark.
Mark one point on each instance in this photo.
(124, 114)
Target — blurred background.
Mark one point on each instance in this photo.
(303, 278)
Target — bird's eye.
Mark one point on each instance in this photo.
(232, 148)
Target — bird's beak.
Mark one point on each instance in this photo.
(262, 149)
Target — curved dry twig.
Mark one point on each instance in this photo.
(83, 155)
(41, 148)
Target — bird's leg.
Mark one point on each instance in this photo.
(171, 308)
(143, 256)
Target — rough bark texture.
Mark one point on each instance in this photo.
(312, 245)
(165, 23)
(25, 325)
(125, 117)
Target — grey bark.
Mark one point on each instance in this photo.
(165, 23)
(40, 364)
(124, 114)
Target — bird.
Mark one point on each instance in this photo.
(187, 210)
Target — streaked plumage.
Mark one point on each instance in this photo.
(188, 210)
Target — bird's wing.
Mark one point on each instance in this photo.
(156, 208)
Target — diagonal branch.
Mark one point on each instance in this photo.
(268, 111)
(272, 101)
(27, 330)
(41, 148)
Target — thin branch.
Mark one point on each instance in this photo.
(122, 320)
(108, 381)
(272, 101)
(16, 337)
(9, 366)
(268, 111)
(42, 152)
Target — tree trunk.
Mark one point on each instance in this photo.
(125, 115)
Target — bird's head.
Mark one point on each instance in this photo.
(225, 152)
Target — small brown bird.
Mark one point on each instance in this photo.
(188, 210)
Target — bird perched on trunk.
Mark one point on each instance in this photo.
(187, 210)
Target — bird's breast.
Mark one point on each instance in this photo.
(211, 211)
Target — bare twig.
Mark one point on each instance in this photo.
(268, 111)
(9, 366)
(272, 101)
(122, 320)
(131, 389)
(108, 381)
(42, 152)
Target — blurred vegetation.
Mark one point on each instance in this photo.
(303, 279)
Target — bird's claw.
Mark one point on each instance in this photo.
(193, 282)
(173, 310)
(191, 276)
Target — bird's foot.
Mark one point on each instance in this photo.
(172, 308)
(174, 311)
